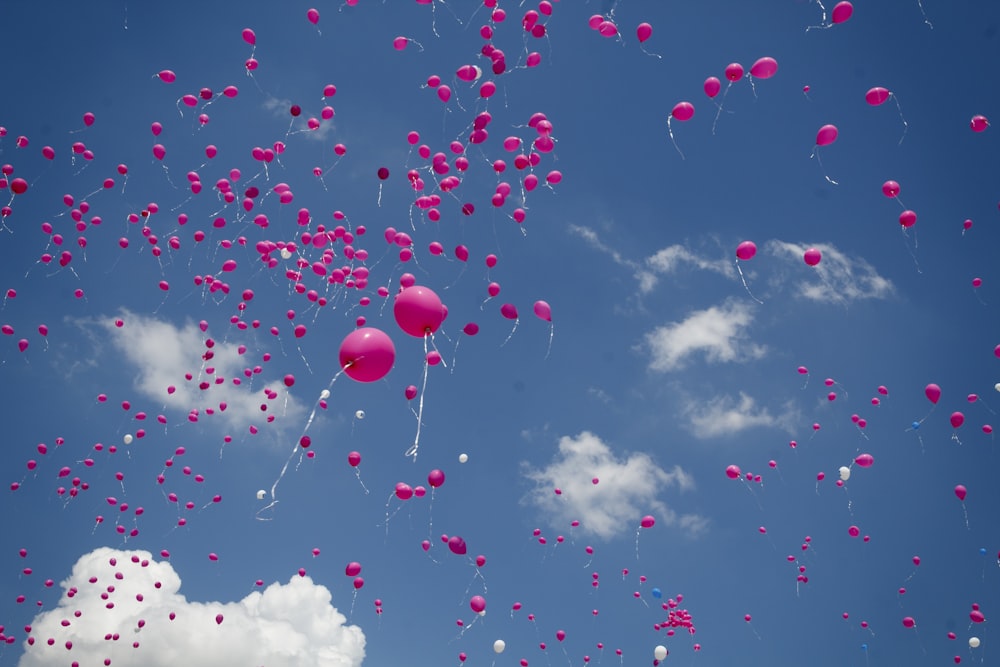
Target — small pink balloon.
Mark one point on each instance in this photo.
(812, 256)
(842, 11)
(509, 311)
(877, 95)
(477, 603)
(712, 86)
(746, 250)
(890, 189)
(957, 419)
(683, 111)
(933, 393)
(826, 135)
(249, 36)
(647, 521)
(733, 472)
(864, 460)
(167, 76)
(644, 32)
(979, 123)
(908, 218)
(354, 459)
(734, 72)
(908, 622)
(960, 492)
(543, 311)
(313, 16)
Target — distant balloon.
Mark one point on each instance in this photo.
(660, 652)
(683, 111)
(876, 96)
(477, 603)
(733, 472)
(826, 135)
(643, 32)
(960, 492)
(499, 645)
(812, 256)
(543, 311)
(979, 123)
(746, 250)
(864, 460)
(647, 521)
(712, 86)
(842, 11)
(933, 393)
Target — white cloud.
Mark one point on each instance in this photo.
(594, 240)
(719, 332)
(162, 353)
(671, 259)
(726, 416)
(281, 108)
(291, 625)
(838, 278)
(625, 492)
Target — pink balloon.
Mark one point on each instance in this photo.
(764, 68)
(908, 218)
(444, 93)
(167, 76)
(159, 151)
(734, 71)
(509, 311)
(543, 311)
(435, 478)
(733, 472)
(957, 419)
(960, 492)
(890, 189)
(979, 123)
(932, 392)
(403, 491)
(876, 96)
(842, 11)
(643, 32)
(477, 603)
(367, 354)
(218, 619)
(457, 545)
(976, 616)
(249, 36)
(812, 256)
(712, 86)
(746, 250)
(864, 460)
(647, 521)
(826, 135)
(683, 111)
(418, 311)
(908, 622)
(354, 458)
(313, 16)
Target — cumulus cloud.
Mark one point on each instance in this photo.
(838, 278)
(718, 332)
(674, 258)
(291, 625)
(725, 415)
(162, 352)
(627, 489)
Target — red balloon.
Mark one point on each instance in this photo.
(367, 354)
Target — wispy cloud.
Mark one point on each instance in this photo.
(281, 626)
(675, 258)
(725, 415)
(626, 490)
(719, 333)
(280, 108)
(838, 278)
(162, 352)
(593, 239)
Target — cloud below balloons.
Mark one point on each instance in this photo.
(281, 626)
(627, 490)
(718, 333)
(725, 415)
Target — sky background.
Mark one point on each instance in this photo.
(665, 362)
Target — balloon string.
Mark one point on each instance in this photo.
(906, 125)
(511, 334)
(819, 161)
(747, 287)
(412, 451)
(670, 131)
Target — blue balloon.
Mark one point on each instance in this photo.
(915, 426)
(864, 647)
(657, 593)
(982, 551)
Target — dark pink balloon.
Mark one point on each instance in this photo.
(683, 111)
(812, 256)
(932, 392)
(746, 250)
(960, 492)
(712, 86)
(764, 68)
(367, 354)
(644, 32)
(826, 135)
(842, 11)
(876, 96)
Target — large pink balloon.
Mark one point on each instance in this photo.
(457, 545)
(418, 311)
(764, 68)
(932, 392)
(367, 354)
(746, 250)
(826, 135)
(477, 603)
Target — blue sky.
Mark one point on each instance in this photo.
(659, 370)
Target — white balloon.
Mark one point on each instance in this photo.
(499, 645)
(462, 458)
(286, 253)
(660, 652)
(360, 414)
(261, 494)
(973, 642)
(325, 394)
(997, 386)
(127, 439)
(845, 473)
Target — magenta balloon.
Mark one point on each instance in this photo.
(509, 311)
(764, 68)
(826, 135)
(976, 616)
(712, 86)
(746, 250)
(932, 392)
(167, 76)
(734, 71)
(979, 123)
(864, 460)
(733, 472)
(683, 111)
(647, 521)
(842, 11)
(367, 354)
(354, 458)
(435, 478)
(403, 491)
(908, 218)
(957, 419)
(876, 96)
(249, 36)
(418, 311)
(159, 151)
(444, 93)
(908, 622)
(313, 16)
(477, 603)
(644, 32)
(890, 189)
(812, 256)
(457, 545)
(960, 492)
(543, 311)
